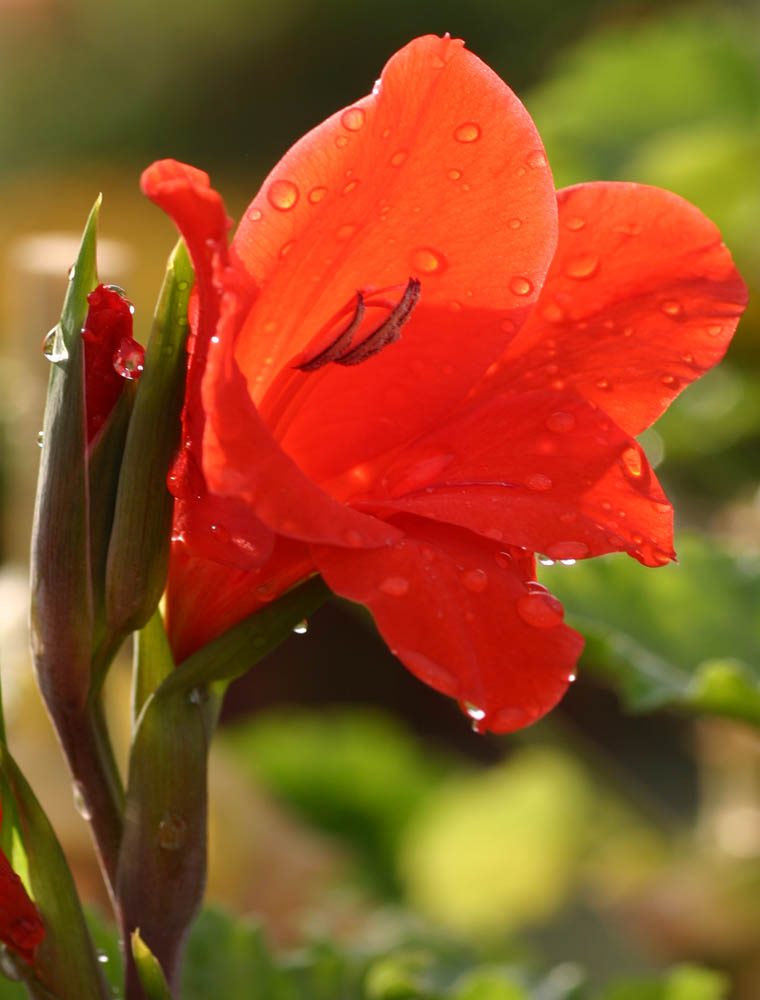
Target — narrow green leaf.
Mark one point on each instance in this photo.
(61, 618)
(148, 969)
(138, 555)
(242, 646)
(153, 662)
(67, 966)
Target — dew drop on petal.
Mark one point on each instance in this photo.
(715, 330)
(584, 266)
(53, 346)
(282, 195)
(317, 194)
(341, 141)
(427, 260)
(631, 459)
(514, 223)
(669, 380)
(351, 186)
(301, 628)
(567, 550)
(540, 610)
(353, 119)
(520, 286)
(574, 223)
(129, 358)
(671, 308)
(254, 214)
(286, 248)
(467, 132)
(475, 580)
(537, 159)
(552, 313)
(266, 592)
(603, 383)
(398, 158)
(345, 232)
(454, 175)
(538, 481)
(560, 422)
(571, 678)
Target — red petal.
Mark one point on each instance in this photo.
(240, 457)
(399, 197)
(20, 926)
(106, 334)
(541, 470)
(641, 299)
(457, 611)
(205, 598)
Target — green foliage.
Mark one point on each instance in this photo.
(685, 635)
(685, 982)
(356, 774)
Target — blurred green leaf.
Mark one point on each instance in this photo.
(685, 982)
(355, 773)
(684, 635)
(148, 969)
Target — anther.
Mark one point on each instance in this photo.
(388, 332)
(340, 351)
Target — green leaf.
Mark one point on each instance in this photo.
(61, 618)
(684, 982)
(685, 635)
(148, 969)
(138, 555)
(66, 959)
(240, 647)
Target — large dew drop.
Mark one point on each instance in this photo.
(53, 346)
(282, 195)
(467, 132)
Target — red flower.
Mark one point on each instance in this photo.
(20, 926)
(417, 366)
(110, 354)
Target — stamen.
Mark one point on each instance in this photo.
(341, 343)
(388, 332)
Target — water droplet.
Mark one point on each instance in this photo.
(603, 383)
(53, 346)
(571, 678)
(467, 132)
(419, 473)
(537, 159)
(494, 533)
(341, 141)
(454, 175)
(631, 459)
(394, 586)
(128, 361)
(545, 561)
(507, 326)
(286, 248)
(715, 330)
(475, 580)
(199, 694)
(266, 592)
(398, 158)
(474, 712)
(346, 231)
(574, 223)
(40, 438)
(172, 831)
(584, 266)
(668, 379)
(102, 957)
(353, 119)
(282, 195)
(317, 194)
(552, 313)
(559, 384)
(560, 422)
(514, 223)
(71, 272)
(80, 802)
(567, 562)
(254, 214)
(427, 260)
(520, 285)
(455, 306)
(301, 628)
(567, 550)
(671, 308)
(538, 481)
(540, 609)
(351, 186)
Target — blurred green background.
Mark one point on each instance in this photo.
(351, 805)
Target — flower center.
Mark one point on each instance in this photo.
(341, 351)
